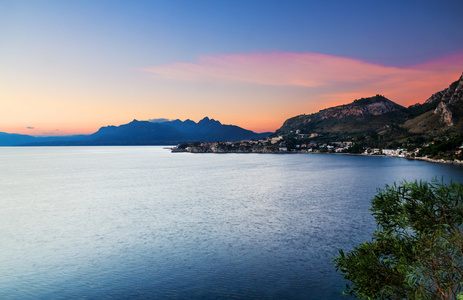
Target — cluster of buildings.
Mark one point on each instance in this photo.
(280, 145)
(269, 145)
(303, 144)
(400, 152)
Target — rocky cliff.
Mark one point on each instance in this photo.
(451, 103)
(441, 114)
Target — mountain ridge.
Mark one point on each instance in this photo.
(142, 133)
(378, 113)
(363, 114)
(377, 122)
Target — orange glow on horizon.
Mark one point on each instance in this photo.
(256, 91)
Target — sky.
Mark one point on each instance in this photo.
(70, 67)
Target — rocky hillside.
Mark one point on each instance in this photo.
(378, 121)
(444, 114)
(366, 114)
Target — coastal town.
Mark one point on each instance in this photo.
(431, 131)
(282, 145)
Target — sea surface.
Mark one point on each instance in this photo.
(144, 223)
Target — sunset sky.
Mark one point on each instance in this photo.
(70, 67)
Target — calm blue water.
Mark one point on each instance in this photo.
(143, 223)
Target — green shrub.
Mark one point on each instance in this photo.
(416, 251)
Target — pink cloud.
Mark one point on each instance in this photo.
(279, 68)
(340, 75)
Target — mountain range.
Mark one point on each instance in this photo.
(142, 133)
(374, 122)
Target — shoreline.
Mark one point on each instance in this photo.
(439, 161)
(426, 159)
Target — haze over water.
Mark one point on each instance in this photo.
(141, 222)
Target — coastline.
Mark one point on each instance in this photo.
(427, 159)
(439, 161)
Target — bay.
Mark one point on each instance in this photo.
(144, 223)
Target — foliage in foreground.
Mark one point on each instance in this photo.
(417, 249)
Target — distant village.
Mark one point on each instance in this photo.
(279, 144)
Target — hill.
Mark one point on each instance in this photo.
(378, 122)
(362, 115)
(441, 114)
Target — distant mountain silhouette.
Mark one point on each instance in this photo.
(136, 133)
(210, 130)
(142, 133)
(171, 132)
(14, 139)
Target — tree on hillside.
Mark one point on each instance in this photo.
(417, 249)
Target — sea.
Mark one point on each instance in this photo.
(145, 223)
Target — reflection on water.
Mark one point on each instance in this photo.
(140, 222)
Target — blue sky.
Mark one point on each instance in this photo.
(73, 66)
